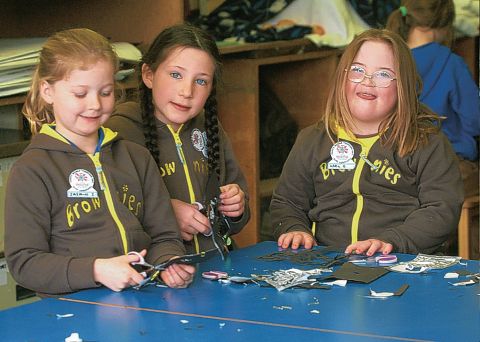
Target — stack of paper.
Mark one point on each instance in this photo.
(19, 57)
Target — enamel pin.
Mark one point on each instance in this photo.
(342, 156)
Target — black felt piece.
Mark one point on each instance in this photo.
(316, 257)
(362, 274)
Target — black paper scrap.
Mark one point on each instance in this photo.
(401, 290)
(362, 274)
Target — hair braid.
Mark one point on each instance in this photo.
(211, 127)
(148, 119)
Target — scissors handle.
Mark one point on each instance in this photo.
(141, 260)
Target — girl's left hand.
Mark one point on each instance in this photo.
(369, 247)
(178, 275)
(232, 200)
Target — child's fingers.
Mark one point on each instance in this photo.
(297, 240)
(309, 243)
(285, 239)
(179, 277)
(387, 248)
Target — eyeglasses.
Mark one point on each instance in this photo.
(380, 78)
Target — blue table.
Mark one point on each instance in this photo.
(430, 310)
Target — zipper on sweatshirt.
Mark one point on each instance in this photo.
(183, 160)
(366, 144)
(109, 198)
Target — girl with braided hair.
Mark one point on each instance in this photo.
(176, 119)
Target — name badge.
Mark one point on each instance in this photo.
(81, 182)
(342, 156)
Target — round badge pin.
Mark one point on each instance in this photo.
(342, 151)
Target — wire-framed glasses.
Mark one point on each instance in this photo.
(380, 78)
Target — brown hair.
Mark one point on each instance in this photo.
(434, 14)
(62, 53)
(409, 122)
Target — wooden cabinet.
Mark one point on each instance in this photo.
(299, 73)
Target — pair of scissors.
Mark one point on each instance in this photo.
(150, 272)
(147, 269)
(218, 221)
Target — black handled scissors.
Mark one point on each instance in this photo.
(150, 272)
(218, 221)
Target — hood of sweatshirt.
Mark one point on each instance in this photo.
(430, 60)
(49, 139)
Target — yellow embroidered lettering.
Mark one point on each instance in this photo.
(70, 217)
(137, 209)
(86, 206)
(382, 170)
(325, 170)
(75, 210)
(131, 200)
(170, 167)
(396, 178)
(162, 171)
(96, 203)
(390, 171)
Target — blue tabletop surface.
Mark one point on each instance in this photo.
(430, 310)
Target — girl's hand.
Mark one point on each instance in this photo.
(296, 239)
(178, 275)
(232, 200)
(117, 273)
(369, 247)
(190, 220)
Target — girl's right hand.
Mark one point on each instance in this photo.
(117, 273)
(296, 239)
(190, 220)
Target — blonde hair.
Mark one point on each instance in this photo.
(409, 122)
(62, 53)
(434, 14)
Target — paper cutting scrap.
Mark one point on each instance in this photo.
(399, 292)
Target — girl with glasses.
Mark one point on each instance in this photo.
(375, 174)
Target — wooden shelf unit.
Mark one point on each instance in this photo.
(299, 74)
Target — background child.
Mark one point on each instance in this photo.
(448, 86)
(177, 121)
(375, 175)
(79, 198)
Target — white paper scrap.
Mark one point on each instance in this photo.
(340, 282)
(381, 294)
(450, 275)
(59, 316)
(463, 283)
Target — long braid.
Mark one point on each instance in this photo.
(148, 119)
(211, 127)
